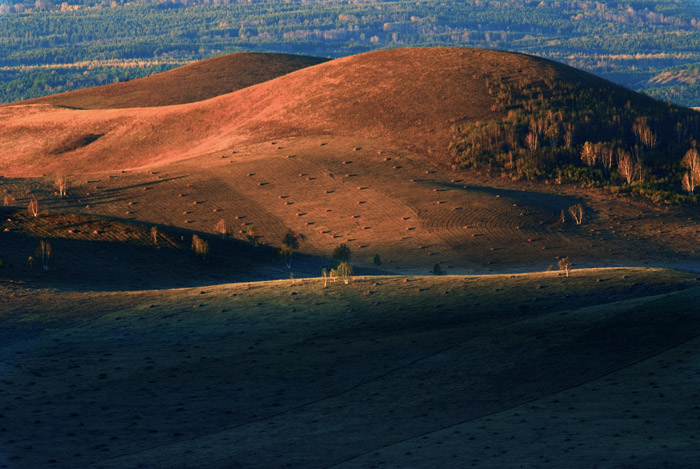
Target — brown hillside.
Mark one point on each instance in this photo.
(194, 82)
(409, 98)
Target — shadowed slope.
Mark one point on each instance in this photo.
(409, 98)
(279, 375)
(194, 82)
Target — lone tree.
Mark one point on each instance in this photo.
(222, 228)
(61, 185)
(251, 236)
(44, 253)
(691, 162)
(565, 265)
(437, 270)
(342, 253)
(154, 234)
(201, 248)
(290, 243)
(377, 260)
(33, 207)
(576, 212)
(344, 271)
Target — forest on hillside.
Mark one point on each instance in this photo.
(53, 46)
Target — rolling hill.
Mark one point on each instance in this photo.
(408, 98)
(194, 82)
(130, 350)
(348, 151)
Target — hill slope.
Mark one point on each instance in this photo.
(194, 82)
(410, 98)
(274, 375)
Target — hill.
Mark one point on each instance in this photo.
(194, 82)
(422, 100)
(349, 151)
(598, 369)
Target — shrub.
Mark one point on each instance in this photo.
(342, 253)
(344, 271)
(565, 265)
(222, 228)
(290, 243)
(200, 247)
(437, 270)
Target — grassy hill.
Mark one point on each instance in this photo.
(195, 82)
(131, 349)
(473, 108)
(534, 369)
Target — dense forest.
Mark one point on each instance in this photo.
(52, 46)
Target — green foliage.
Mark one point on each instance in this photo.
(342, 253)
(290, 243)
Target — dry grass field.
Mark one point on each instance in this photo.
(529, 370)
(131, 350)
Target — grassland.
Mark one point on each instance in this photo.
(491, 371)
(132, 351)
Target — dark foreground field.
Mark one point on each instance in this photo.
(533, 370)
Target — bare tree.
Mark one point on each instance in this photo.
(200, 247)
(628, 167)
(532, 140)
(154, 234)
(687, 184)
(643, 132)
(589, 154)
(565, 265)
(222, 228)
(44, 252)
(576, 212)
(691, 162)
(33, 207)
(324, 272)
(61, 185)
(344, 271)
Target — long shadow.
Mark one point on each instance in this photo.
(134, 264)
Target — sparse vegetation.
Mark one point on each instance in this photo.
(576, 212)
(222, 228)
(344, 272)
(44, 252)
(33, 207)
(565, 265)
(251, 236)
(342, 253)
(201, 248)
(290, 243)
(62, 185)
